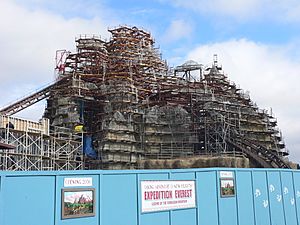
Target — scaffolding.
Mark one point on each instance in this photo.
(136, 109)
(35, 147)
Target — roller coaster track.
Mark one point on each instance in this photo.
(261, 155)
(29, 100)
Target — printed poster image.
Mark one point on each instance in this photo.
(167, 195)
(227, 187)
(78, 203)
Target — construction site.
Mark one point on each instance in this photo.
(117, 104)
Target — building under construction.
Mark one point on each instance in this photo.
(117, 105)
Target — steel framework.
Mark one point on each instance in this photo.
(37, 149)
(135, 108)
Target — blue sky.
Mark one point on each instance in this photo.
(198, 22)
(257, 42)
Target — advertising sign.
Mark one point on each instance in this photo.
(78, 202)
(227, 187)
(78, 182)
(167, 195)
(226, 174)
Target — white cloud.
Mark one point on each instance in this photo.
(270, 73)
(28, 42)
(177, 30)
(288, 11)
(30, 37)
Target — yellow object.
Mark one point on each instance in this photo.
(79, 128)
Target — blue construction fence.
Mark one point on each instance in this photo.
(214, 196)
